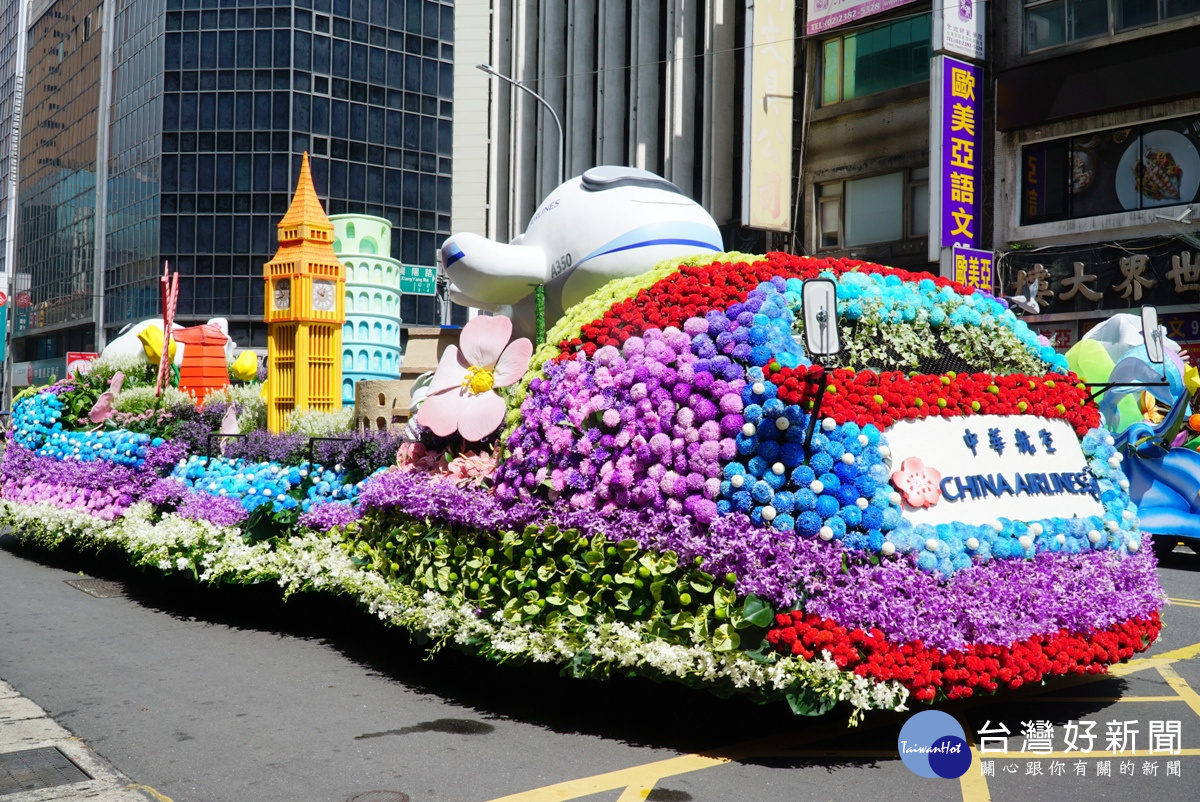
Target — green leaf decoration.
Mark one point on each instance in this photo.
(725, 638)
(806, 702)
(756, 613)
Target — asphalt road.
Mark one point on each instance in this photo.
(217, 695)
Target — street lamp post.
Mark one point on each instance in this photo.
(561, 139)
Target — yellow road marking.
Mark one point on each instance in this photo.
(151, 791)
(973, 784)
(1183, 601)
(642, 779)
(638, 777)
(1106, 699)
(1180, 686)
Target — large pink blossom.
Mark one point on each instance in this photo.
(462, 396)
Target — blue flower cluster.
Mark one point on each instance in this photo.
(117, 446)
(258, 483)
(892, 300)
(760, 328)
(36, 425)
(837, 491)
(35, 417)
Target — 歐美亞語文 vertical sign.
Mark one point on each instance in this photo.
(956, 156)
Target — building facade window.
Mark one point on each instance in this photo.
(1112, 171)
(874, 59)
(1050, 23)
(875, 209)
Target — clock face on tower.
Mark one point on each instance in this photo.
(282, 294)
(323, 298)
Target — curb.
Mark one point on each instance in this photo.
(25, 727)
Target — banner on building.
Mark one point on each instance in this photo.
(955, 159)
(767, 167)
(824, 15)
(80, 362)
(958, 28)
(38, 372)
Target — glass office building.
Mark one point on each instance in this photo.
(12, 74)
(57, 197)
(212, 104)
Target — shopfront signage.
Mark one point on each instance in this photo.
(1105, 278)
(824, 15)
(973, 268)
(956, 160)
(958, 28)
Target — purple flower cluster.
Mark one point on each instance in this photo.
(265, 446)
(103, 489)
(426, 497)
(1000, 602)
(220, 510)
(327, 516)
(645, 427)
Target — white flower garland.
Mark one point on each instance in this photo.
(316, 561)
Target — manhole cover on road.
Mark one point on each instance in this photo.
(379, 796)
(100, 588)
(32, 769)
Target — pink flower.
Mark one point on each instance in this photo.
(413, 456)
(462, 396)
(103, 408)
(470, 468)
(920, 486)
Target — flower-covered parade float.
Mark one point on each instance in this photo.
(670, 487)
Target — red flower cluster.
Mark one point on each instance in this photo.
(928, 673)
(695, 290)
(884, 398)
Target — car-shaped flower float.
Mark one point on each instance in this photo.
(673, 487)
(951, 521)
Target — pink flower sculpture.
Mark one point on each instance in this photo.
(462, 396)
(103, 408)
(920, 486)
(470, 468)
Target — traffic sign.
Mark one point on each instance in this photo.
(418, 280)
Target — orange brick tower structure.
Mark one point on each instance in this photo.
(305, 310)
(204, 368)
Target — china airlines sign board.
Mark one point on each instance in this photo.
(977, 469)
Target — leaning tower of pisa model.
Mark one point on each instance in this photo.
(371, 333)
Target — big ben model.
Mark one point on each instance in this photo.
(305, 310)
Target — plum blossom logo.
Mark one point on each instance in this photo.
(966, 10)
(918, 485)
(462, 396)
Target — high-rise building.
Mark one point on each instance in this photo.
(659, 86)
(1097, 161)
(189, 152)
(12, 76)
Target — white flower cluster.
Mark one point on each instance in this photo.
(319, 423)
(316, 561)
